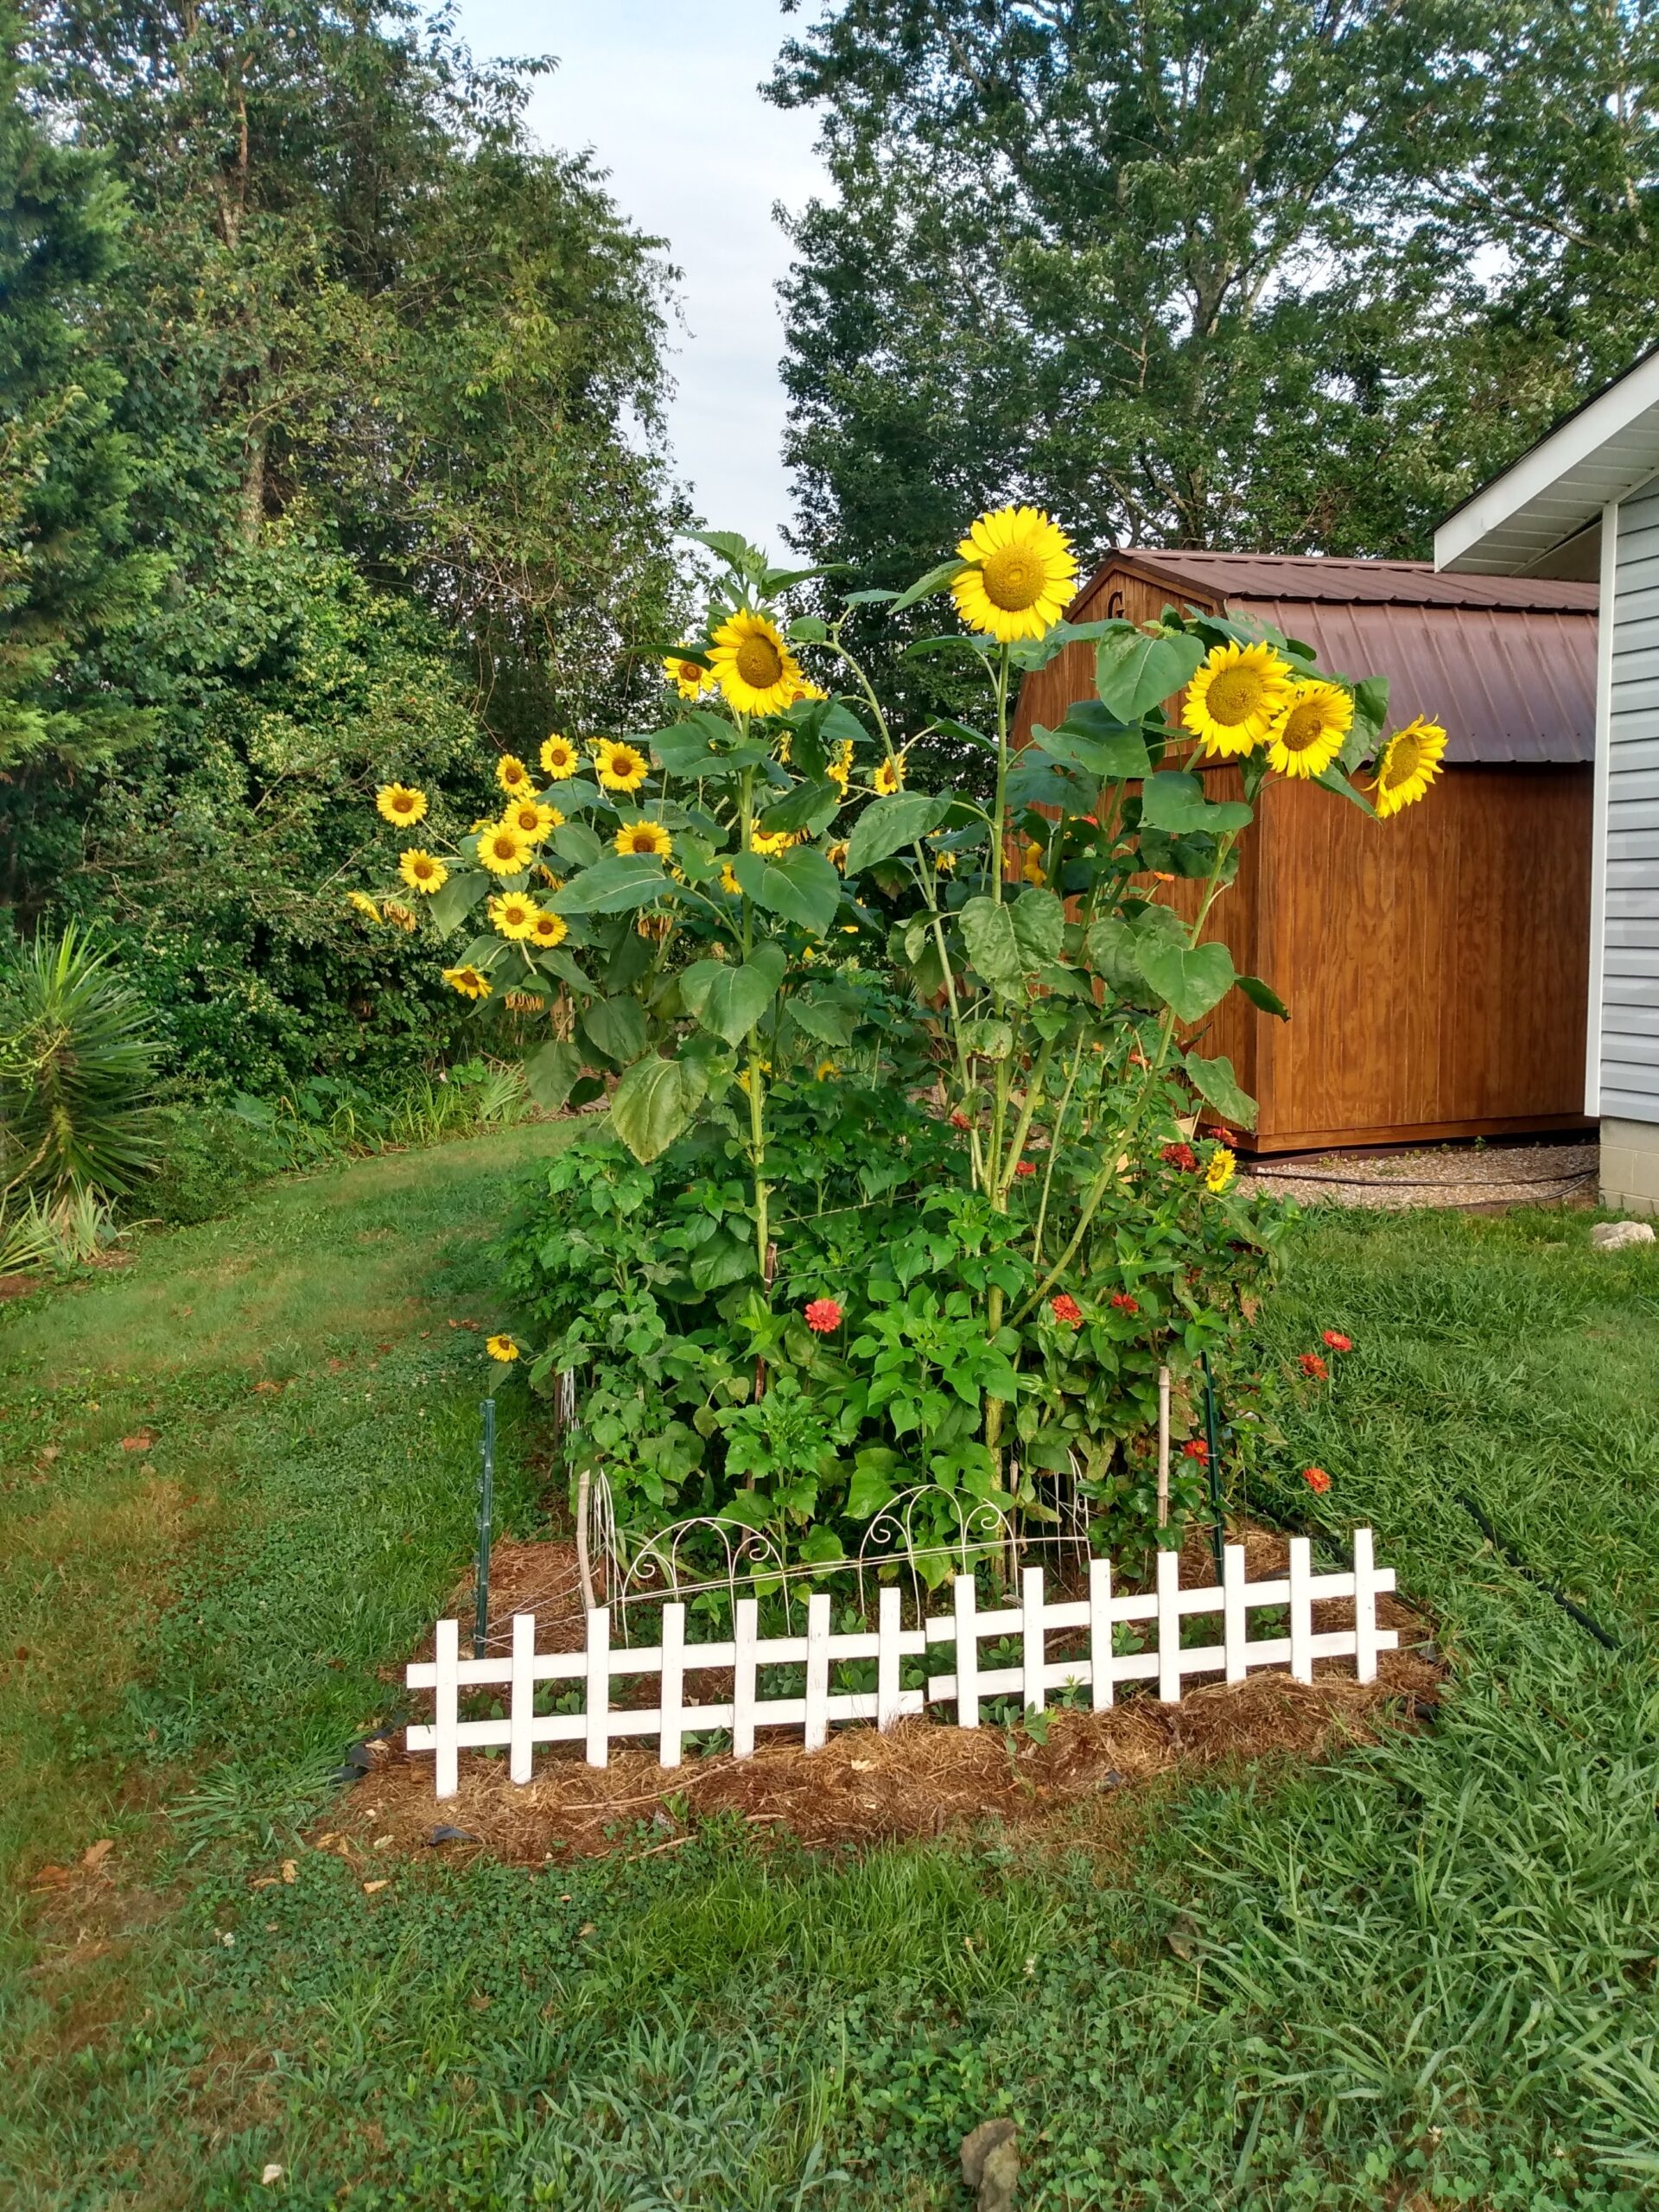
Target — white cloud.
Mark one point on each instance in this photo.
(667, 97)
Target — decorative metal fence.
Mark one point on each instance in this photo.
(1169, 1662)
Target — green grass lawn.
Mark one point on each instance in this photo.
(1423, 1976)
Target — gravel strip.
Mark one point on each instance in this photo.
(1497, 1175)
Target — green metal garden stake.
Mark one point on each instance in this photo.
(486, 1510)
(1219, 1531)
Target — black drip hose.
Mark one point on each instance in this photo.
(1542, 1581)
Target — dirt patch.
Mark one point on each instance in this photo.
(925, 1778)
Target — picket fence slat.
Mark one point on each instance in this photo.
(818, 1704)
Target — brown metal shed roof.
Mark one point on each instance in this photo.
(1508, 663)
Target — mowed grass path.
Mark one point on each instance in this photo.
(1424, 1975)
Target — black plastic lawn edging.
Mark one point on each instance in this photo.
(1521, 1565)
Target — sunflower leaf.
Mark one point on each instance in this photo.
(988, 933)
(616, 1029)
(551, 1075)
(1134, 672)
(924, 586)
(1334, 780)
(575, 843)
(451, 906)
(612, 886)
(655, 1101)
(1175, 801)
(728, 1000)
(1215, 1082)
(801, 886)
(809, 806)
(1189, 980)
(1263, 994)
(888, 824)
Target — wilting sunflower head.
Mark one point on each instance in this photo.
(467, 981)
(503, 849)
(836, 854)
(1310, 733)
(889, 777)
(400, 917)
(1020, 574)
(1237, 696)
(532, 819)
(422, 871)
(513, 914)
(688, 678)
(548, 930)
(400, 804)
(364, 904)
(945, 860)
(621, 767)
(647, 837)
(560, 759)
(1410, 762)
(511, 774)
(752, 664)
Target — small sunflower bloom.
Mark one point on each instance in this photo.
(548, 930)
(1410, 762)
(400, 917)
(532, 819)
(621, 767)
(511, 774)
(729, 882)
(502, 1347)
(1222, 1167)
(839, 767)
(401, 805)
(560, 759)
(688, 678)
(826, 1071)
(770, 842)
(836, 854)
(468, 982)
(422, 871)
(513, 914)
(648, 838)
(363, 905)
(502, 849)
(1020, 574)
(889, 777)
(752, 664)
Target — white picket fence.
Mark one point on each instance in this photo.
(1169, 1663)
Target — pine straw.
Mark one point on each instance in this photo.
(925, 1778)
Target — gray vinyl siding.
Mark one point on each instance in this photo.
(1630, 985)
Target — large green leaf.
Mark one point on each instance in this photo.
(1214, 1080)
(1176, 802)
(1262, 994)
(450, 906)
(611, 885)
(801, 885)
(1039, 926)
(655, 1101)
(551, 1075)
(616, 1029)
(1134, 672)
(1113, 951)
(559, 962)
(1190, 982)
(809, 806)
(888, 824)
(575, 843)
(1092, 736)
(988, 932)
(924, 586)
(829, 1020)
(729, 1000)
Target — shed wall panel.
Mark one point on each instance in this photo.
(1629, 1048)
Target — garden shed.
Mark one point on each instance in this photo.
(1436, 965)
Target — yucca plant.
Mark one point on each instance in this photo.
(77, 1057)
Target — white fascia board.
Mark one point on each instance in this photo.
(1495, 532)
(1598, 807)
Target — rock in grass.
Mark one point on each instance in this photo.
(990, 2163)
(1614, 1235)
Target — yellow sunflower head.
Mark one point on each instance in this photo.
(421, 871)
(532, 819)
(647, 837)
(503, 849)
(363, 905)
(836, 854)
(395, 912)
(400, 804)
(729, 882)
(502, 1347)
(1309, 735)
(1237, 696)
(467, 981)
(560, 759)
(548, 930)
(1410, 762)
(513, 914)
(752, 665)
(770, 842)
(621, 767)
(805, 690)
(826, 1071)
(889, 777)
(688, 678)
(511, 774)
(1020, 574)
(1221, 1168)
(1030, 864)
(839, 767)
(944, 859)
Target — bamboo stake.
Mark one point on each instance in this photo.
(1163, 1447)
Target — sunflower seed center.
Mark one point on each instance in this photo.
(1013, 579)
(759, 663)
(1234, 695)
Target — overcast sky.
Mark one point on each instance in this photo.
(663, 92)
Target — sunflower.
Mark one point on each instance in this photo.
(398, 803)
(422, 872)
(513, 914)
(364, 904)
(523, 1002)
(642, 836)
(1031, 867)
(752, 665)
(548, 930)
(729, 882)
(1020, 575)
(553, 882)
(945, 860)
(839, 767)
(1410, 762)
(836, 854)
(394, 911)
(687, 676)
(827, 1071)
(502, 849)
(1308, 735)
(532, 819)
(1221, 1170)
(1237, 696)
(511, 774)
(621, 767)
(560, 759)
(502, 1347)
(805, 690)
(889, 777)
(770, 842)
(467, 981)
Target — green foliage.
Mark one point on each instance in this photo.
(78, 1055)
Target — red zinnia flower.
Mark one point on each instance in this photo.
(1180, 1155)
(1316, 1479)
(1026, 1167)
(1065, 1308)
(1337, 1342)
(1195, 1448)
(958, 1119)
(1313, 1364)
(1124, 1303)
(822, 1315)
